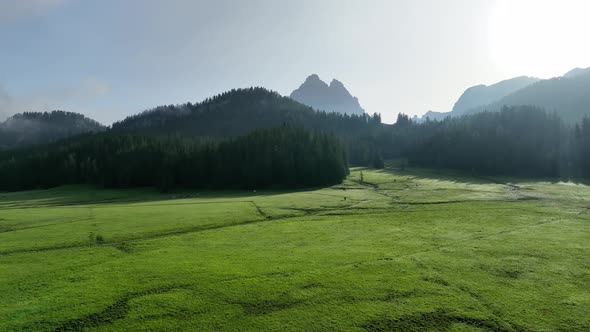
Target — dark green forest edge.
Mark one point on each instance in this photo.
(255, 138)
(271, 158)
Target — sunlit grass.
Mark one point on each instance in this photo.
(403, 250)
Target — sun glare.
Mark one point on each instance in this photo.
(540, 37)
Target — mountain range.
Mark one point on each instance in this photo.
(238, 112)
(323, 97)
(568, 96)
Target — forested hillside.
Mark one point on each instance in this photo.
(282, 158)
(254, 138)
(516, 141)
(239, 112)
(39, 128)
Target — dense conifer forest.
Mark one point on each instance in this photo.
(517, 141)
(255, 138)
(238, 112)
(270, 158)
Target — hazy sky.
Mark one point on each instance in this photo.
(112, 58)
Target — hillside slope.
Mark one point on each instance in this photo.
(238, 112)
(481, 95)
(46, 127)
(568, 96)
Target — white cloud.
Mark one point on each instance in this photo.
(11, 10)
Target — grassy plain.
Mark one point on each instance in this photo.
(407, 250)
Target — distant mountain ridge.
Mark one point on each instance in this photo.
(568, 95)
(44, 127)
(330, 98)
(577, 72)
(481, 95)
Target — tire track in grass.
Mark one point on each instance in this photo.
(131, 204)
(45, 225)
(124, 243)
(116, 311)
(179, 232)
(437, 248)
(260, 211)
(92, 216)
(119, 309)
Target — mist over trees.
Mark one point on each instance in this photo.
(39, 128)
(581, 148)
(516, 141)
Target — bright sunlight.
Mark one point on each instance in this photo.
(540, 38)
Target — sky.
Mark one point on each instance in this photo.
(109, 59)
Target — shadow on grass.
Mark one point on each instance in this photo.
(72, 195)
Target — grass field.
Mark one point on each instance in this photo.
(407, 250)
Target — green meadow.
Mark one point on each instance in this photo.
(412, 250)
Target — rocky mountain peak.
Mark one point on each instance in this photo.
(330, 98)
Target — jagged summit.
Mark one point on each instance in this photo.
(337, 84)
(331, 98)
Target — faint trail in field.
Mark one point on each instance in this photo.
(177, 232)
(260, 211)
(116, 311)
(366, 184)
(489, 306)
(173, 232)
(308, 212)
(92, 215)
(492, 180)
(45, 225)
(467, 201)
(52, 248)
(133, 204)
(452, 243)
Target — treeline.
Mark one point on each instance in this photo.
(283, 157)
(581, 149)
(254, 138)
(523, 141)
